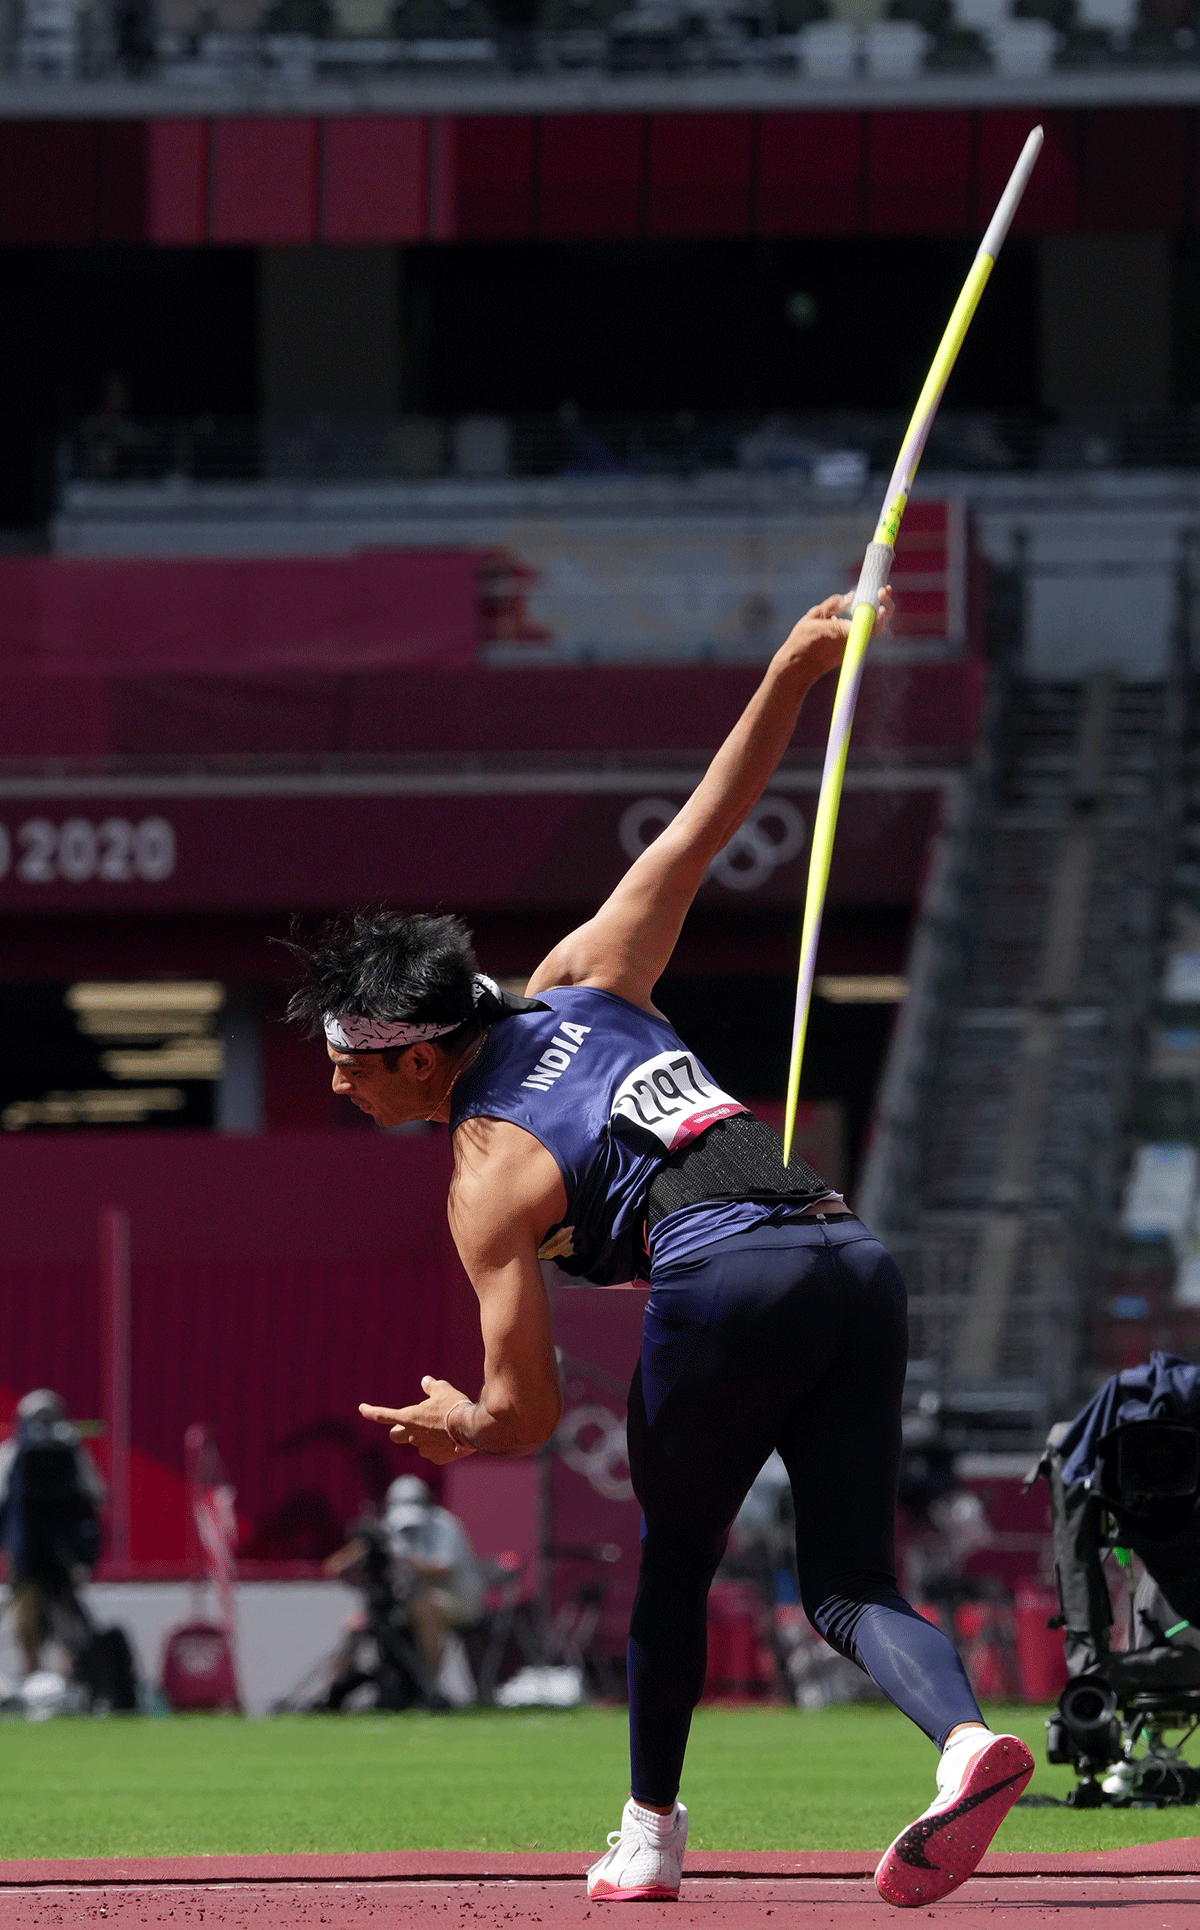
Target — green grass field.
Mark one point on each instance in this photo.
(758, 1779)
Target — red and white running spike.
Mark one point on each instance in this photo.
(939, 1851)
(644, 1862)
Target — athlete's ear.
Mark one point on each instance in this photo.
(423, 1059)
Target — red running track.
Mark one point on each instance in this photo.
(1148, 1887)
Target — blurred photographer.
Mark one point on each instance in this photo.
(434, 1571)
(941, 1522)
(420, 1582)
(50, 1498)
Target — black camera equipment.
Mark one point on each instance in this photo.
(59, 1526)
(1124, 1717)
(397, 1672)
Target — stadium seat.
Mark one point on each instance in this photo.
(48, 42)
(828, 50)
(894, 49)
(1023, 46)
(1114, 16)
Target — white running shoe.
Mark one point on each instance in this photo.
(977, 1786)
(644, 1859)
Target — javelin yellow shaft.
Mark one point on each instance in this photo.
(876, 566)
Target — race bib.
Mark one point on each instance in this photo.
(670, 1097)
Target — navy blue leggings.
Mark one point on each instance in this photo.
(792, 1336)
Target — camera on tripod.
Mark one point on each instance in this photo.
(382, 1657)
(1125, 1481)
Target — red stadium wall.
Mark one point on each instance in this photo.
(377, 609)
(177, 660)
(277, 1281)
(374, 656)
(508, 177)
(319, 656)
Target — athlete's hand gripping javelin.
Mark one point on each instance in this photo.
(507, 1190)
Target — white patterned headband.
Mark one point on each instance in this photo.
(346, 1032)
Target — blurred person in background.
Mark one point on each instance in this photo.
(110, 434)
(50, 1499)
(436, 1573)
(421, 1584)
(942, 1522)
(762, 1539)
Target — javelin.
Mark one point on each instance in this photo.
(876, 567)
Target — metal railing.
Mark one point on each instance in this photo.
(832, 451)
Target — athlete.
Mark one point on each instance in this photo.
(585, 1131)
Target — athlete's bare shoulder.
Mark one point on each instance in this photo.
(504, 1179)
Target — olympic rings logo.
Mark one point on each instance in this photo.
(773, 834)
(591, 1441)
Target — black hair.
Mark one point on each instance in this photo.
(384, 964)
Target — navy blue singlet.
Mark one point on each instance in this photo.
(609, 1090)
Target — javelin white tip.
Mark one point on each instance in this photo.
(1017, 182)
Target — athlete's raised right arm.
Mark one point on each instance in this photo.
(626, 946)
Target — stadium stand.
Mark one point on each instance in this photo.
(1001, 1148)
(1152, 1283)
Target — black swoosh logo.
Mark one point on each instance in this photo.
(911, 1847)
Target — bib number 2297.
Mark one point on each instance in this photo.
(672, 1098)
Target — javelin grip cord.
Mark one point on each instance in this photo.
(876, 567)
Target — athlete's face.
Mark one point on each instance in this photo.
(412, 1090)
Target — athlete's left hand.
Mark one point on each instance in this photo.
(424, 1425)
